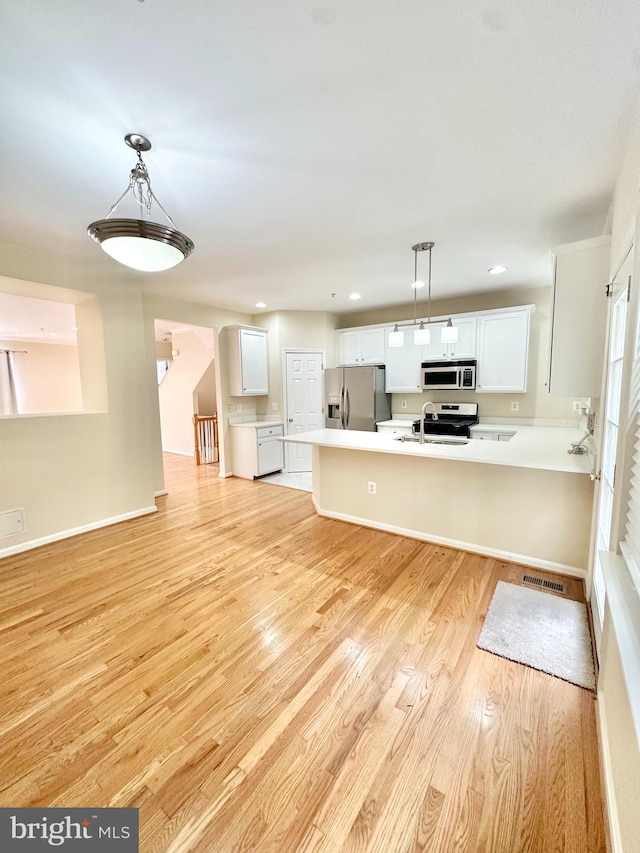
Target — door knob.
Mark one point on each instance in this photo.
(290, 420)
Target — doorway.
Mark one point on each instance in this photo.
(611, 424)
(303, 402)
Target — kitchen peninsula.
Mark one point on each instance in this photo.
(525, 500)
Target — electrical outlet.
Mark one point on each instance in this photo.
(371, 487)
(577, 406)
(515, 405)
(239, 407)
(274, 407)
(403, 404)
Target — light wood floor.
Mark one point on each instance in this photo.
(255, 678)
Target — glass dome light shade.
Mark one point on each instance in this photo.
(449, 334)
(140, 245)
(421, 336)
(396, 338)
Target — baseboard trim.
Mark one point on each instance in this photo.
(160, 493)
(74, 531)
(474, 548)
(178, 452)
(614, 838)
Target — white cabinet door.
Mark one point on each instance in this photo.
(402, 374)
(253, 360)
(579, 318)
(372, 346)
(435, 350)
(503, 346)
(348, 348)
(465, 347)
(361, 346)
(270, 455)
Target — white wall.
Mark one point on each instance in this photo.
(47, 377)
(70, 471)
(192, 356)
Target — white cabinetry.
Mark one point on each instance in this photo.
(465, 346)
(579, 318)
(503, 348)
(402, 374)
(361, 346)
(248, 365)
(390, 429)
(480, 434)
(256, 449)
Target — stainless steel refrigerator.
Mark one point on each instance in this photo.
(355, 398)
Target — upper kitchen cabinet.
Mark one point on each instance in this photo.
(248, 366)
(503, 349)
(360, 346)
(465, 346)
(579, 316)
(402, 375)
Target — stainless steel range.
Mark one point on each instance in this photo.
(455, 419)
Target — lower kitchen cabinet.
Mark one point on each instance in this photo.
(256, 449)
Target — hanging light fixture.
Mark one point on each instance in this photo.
(396, 338)
(422, 336)
(139, 243)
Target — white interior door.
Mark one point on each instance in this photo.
(303, 403)
(610, 413)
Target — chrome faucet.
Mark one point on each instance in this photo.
(578, 447)
(423, 412)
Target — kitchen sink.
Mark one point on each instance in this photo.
(452, 441)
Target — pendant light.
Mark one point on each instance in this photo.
(422, 336)
(396, 338)
(139, 243)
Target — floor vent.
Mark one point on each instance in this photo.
(544, 584)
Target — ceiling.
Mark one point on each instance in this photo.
(305, 145)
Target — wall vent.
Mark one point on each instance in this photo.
(12, 522)
(541, 583)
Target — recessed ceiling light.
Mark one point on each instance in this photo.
(497, 270)
(261, 304)
(417, 285)
(355, 296)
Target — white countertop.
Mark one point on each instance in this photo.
(257, 424)
(531, 447)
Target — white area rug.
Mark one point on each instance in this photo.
(540, 630)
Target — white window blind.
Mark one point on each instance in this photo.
(630, 545)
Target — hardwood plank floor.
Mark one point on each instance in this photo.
(255, 678)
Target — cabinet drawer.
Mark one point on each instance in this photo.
(267, 432)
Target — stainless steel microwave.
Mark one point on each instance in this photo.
(448, 375)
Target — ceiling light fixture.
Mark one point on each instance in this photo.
(422, 335)
(139, 243)
(497, 270)
(355, 296)
(261, 304)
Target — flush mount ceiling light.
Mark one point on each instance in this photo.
(139, 243)
(497, 270)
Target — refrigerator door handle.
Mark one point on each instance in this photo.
(348, 409)
(342, 405)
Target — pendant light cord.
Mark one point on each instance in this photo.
(429, 292)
